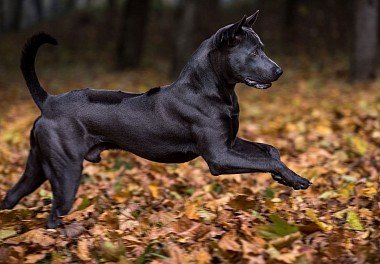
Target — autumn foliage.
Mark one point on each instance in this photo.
(130, 210)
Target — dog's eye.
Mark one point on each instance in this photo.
(255, 53)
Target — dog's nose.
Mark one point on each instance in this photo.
(279, 71)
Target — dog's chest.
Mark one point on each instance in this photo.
(233, 119)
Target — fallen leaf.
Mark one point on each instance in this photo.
(36, 236)
(354, 221)
(229, 242)
(83, 251)
(285, 240)
(277, 228)
(34, 258)
(5, 233)
(242, 202)
(154, 191)
(311, 214)
(191, 210)
(202, 257)
(112, 251)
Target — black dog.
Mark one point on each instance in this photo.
(197, 115)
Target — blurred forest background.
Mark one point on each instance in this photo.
(323, 114)
(162, 34)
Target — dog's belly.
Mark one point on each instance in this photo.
(151, 148)
(165, 151)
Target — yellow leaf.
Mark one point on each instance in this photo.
(5, 233)
(347, 190)
(191, 211)
(340, 214)
(311, 214)
(369, 191)
(323, 129)
(358, 144)
(354, 221)
(154, 191)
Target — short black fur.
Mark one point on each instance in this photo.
(197, 115)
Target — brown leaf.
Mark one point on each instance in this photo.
(191, 210)
(34, 258)
(229, 242)
(255, 247)
(177, 255)
(82, 250)
(285, 240)
(80, 215)
(36, 236)
(242, 202)
(202, 257)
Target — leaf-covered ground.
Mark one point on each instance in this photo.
(130, 210)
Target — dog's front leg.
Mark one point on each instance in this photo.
(254, 149)
(223, 158)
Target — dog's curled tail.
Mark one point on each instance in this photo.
(27, 66)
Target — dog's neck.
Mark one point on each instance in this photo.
(207, 71)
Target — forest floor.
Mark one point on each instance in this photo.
(130, 210)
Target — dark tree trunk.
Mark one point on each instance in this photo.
(39, 9)
(16, 9)
(109, 20)
(55, 7)
(106, 32)
(289, 26)
(111, 5)
(184, 39)
(290, 12)
(70, 5)
(2, 17)
(130, 43)
(195, 23)
(366, 40)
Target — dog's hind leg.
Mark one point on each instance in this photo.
(64, 179)
(62, 153)
(32, 178)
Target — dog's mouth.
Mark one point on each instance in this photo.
(256, 84)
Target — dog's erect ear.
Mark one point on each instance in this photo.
(252, 19)
(232, 34)
(237, 27)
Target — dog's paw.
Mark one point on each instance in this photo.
(301, 183)
(53, 222)
(294, 181)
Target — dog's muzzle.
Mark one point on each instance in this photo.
(258, 85)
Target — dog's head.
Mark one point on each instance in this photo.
(244, 54)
